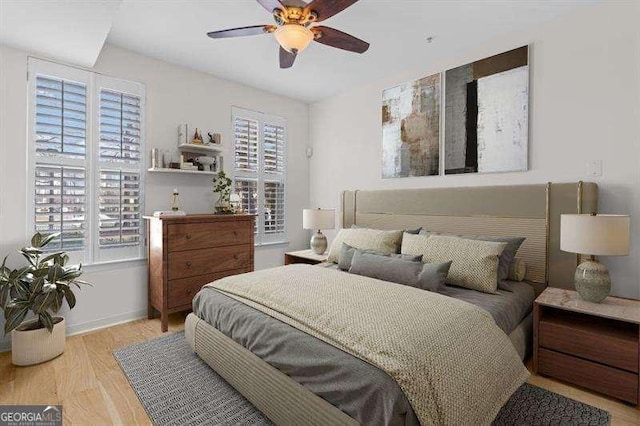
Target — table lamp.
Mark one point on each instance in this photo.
(594, 235)
(318, 219)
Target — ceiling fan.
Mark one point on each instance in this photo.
(292, 30)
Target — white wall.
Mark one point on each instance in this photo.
(174, 95)
(585, 105)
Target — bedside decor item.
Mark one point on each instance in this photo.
(222, 187)
(411, 129)
(41, 286)
(487, 114)
(594, 235)
(318, 219)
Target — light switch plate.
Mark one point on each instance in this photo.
(594, 168)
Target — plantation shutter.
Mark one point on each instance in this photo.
(260, 171)
(58, 166)
(60, 117)
(119, 194)
(60, 205)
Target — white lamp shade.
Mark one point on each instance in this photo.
(318, 218)
(293, 37)
(601, 235)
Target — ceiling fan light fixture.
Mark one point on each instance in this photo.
(293, 37)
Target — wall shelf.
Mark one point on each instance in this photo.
(180, 171)
(206, 149)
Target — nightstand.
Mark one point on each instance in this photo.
(304, 256)
(593, 345)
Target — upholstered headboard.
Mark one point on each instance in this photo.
(531, 211)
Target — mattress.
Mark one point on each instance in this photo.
(508, 308)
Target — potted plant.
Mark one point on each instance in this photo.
(222, 187)
(39, 287)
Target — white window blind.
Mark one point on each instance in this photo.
(260, 171)
(85, 162)
(60, 205)
(60, 117)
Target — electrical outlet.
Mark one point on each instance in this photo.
(594, 168)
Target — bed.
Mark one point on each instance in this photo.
(296, 376)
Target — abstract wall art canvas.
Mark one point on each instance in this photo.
(487, 114)
(411, 129)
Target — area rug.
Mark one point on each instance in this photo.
(176, 388)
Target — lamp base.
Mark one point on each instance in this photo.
(593, 282)
(318, 243)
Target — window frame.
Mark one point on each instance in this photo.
(94, 82)
(260, 175)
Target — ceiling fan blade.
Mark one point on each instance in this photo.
(271, 5)
(335, 38)
(286, 59)
(325, 9)
(243, 31)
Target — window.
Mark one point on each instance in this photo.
(260, 171)
(85, 170)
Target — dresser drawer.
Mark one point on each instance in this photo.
(182, 291)
(184, 264)
(595, 339)
(192, 236)
(608, 380)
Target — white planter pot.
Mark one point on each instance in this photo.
(30, 347)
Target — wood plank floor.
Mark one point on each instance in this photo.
(88, 382)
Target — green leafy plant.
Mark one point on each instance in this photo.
(39, 287)
(222, 186)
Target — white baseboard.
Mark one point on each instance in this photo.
(5, 344)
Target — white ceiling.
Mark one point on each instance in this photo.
(66, 30)
(175, 30)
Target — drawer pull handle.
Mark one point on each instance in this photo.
(189, 264)
(188, 291)
(236, 257)
(188, 236)
(235, 233)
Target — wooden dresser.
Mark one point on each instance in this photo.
(593, 345)
(187, 252)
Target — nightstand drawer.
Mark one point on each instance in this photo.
(607, 380)
(596, 339)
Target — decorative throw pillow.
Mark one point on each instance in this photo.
(518, 270)
(347, 252)
(506, 258)
(385, 242)
(475, 262)
(429, 276)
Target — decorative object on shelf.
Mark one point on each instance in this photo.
(222, 187)
(175, 201)
(235, 201)
(207, 162)
(155, 158)
(40, 287)
(594, 235)
(197, 138)
(167, 159)
(214, 138)
(487, 114)
(183, 134)
(318, 219)
(411, 129)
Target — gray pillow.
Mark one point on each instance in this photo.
(347, 252)
(506, 258)
(426, 276)
(408, 231)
